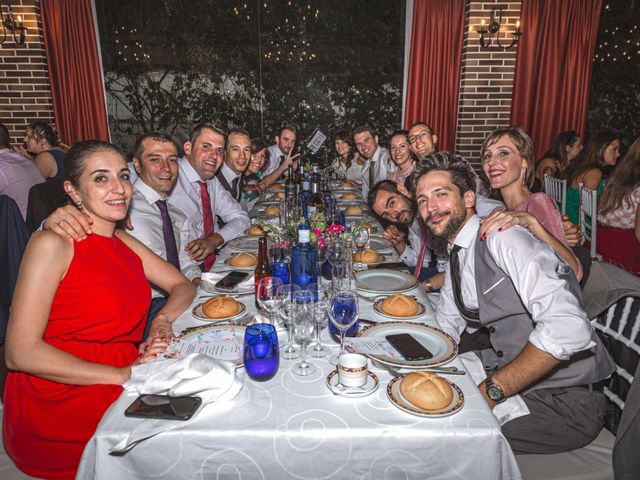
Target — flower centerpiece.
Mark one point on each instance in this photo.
(320, 231)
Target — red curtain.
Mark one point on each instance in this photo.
(553, 69)
(74, 70)
(434, 67)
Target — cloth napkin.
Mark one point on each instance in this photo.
(197, 375)
(512, 407)
(211, 278)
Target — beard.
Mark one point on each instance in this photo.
(450, 229)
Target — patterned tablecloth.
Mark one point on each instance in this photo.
(294, 427)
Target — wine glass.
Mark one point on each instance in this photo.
(260, 353)
(343, 312)
(321, 294)
(336, 251)
(360, 240)
(267, 291)
(285, 296)
(303, 326)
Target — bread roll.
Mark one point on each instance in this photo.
(272, 210)
(368, 226)
(256, 231)
(399, 306)
(220, 307)
(368, 256)
(277, 196)
(349, 196)
(243, 259)
(426, 390)
(274, 186)
(353, 210)
(345, 184)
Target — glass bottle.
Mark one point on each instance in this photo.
(290, 188)
(263, 270)
(315, 203)
(304, 260)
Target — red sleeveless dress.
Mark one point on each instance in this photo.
(97, 314)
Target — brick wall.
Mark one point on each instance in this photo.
(486, 81)
(25, 95)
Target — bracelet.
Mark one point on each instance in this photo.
(427, 284)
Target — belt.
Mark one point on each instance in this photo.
(595, 387)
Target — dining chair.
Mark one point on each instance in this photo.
(588, 217)
(556, 189)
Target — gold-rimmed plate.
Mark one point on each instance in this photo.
(377, 307)
(227, 263)
(383, 280)
(199, 314)
(394, 394)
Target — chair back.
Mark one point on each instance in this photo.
(556, 189)
(588, 217)
(44, 198)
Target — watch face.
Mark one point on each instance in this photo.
(494, 392)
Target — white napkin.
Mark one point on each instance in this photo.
(512, 407)
(209, 279)
(197, 374)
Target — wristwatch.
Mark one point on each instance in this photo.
(494, 392)
(428, 285)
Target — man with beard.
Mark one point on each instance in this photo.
(285, 141)
(541, 343)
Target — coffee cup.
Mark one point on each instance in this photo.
(352, 370)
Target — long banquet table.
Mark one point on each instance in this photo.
(294, 427)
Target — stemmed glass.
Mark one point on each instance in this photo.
(303, 325)
(285, 296)
(360, 240)
(336, 251)
(343, 312)
(267, 296)
(321, 294)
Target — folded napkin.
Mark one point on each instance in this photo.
(197, 375)
(209, 279)
(512, 407)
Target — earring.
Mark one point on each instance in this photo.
(79, 205)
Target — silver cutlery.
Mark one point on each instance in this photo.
(442, 370)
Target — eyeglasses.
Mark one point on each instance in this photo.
(421, 135)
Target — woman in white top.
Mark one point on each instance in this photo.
(347, 165)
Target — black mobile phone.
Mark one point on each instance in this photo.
(409, 347)
(231, 280)
(163, 406)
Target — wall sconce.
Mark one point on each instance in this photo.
(493, 30)
(13, 26)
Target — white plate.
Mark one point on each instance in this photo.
(393, 392)
(246, 243)
(197, 312)
(377, 307)
(379, 244)
(266, 203)
(440, 344)
(227, 262)
(355, 392)
(382, 280)
(216, 333)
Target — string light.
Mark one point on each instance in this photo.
(130, 50)
(617, 42)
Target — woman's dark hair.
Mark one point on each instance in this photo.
(42, 130)
(74, 158)
(558, 149)
(591, 156)
(462, 174)
(344, 136)
(257, 145)
(625, 179)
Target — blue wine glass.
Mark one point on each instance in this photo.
(343, 313)
(261, 353)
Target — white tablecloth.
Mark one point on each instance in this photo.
(294, 427)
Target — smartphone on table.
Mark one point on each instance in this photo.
(164, 407)
(409, 347)
(231, 280)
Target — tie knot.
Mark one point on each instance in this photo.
(455, 249)
(203, 186)
(162, 204)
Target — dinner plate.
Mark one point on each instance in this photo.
(394, 394)
(379, 244)
(368, 388)
(217, 333)
(382, 280)
(246, 243)
(377, 307)
(199, 314)
(267, 202)
(227, 262)
(441, 345)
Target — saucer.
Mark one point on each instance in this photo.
(352, 392)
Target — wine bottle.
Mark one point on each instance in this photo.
(290, 189)
(304, 260)
(315, 203)
(263, 270)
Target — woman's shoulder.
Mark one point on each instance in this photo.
(542, 204)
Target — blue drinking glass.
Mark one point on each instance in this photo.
(261, 353)
(343, 313)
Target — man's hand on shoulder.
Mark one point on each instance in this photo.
(69, 222)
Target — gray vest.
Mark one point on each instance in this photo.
(509, 324)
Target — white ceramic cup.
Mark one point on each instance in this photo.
(352, 370)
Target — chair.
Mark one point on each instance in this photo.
(43, 199)
(556, 189)
(588, 217)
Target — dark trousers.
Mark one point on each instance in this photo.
(156, 305)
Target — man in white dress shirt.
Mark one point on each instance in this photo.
(201, 196)
(285, 141)
(156, 163)
(541, 343)
(236, 161)
(378, 159)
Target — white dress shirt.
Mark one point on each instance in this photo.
(229, 176)
(561, 325)
(412, 251)
(147, 228)
(186, 196)
(383, 165)
(273, 162)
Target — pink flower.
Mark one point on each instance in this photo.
(322, 243)
(317, 231)
(335, 229)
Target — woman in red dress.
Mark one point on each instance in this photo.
(77, 313)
